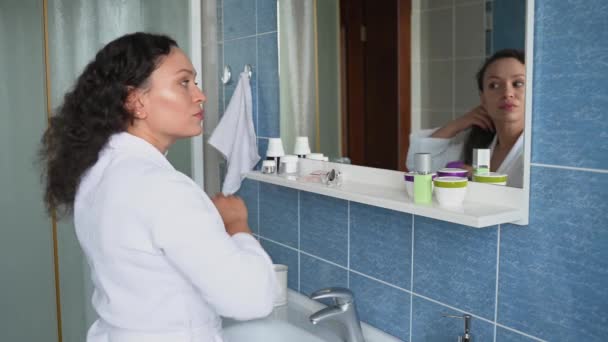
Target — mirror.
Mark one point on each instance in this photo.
(358, 77)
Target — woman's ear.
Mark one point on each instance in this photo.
(134, 103)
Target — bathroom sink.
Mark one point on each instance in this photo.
(269, 330)
(286, 323)
(291, 323)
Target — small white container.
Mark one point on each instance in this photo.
(315, 156)
(289, 165)
(481, 161)
(450, 191)
(269, 166)
(491, 178)
(281, 272)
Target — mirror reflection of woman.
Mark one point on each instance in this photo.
(497, 123)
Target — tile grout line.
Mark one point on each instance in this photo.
(348, 244)
(412, 280)
(452, 307)
(267, 33)
(279, 243)
(249, 36)
(327, 261)
(257, 65)
(573, 168)
(380, 281)
(496, 287)
(255, 11)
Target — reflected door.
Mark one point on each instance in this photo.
(377, 80)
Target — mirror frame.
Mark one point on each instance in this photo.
(525, 197)
(517, 198)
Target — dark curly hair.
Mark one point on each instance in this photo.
(93, 110)
(480, 138)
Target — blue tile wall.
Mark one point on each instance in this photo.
(509, 24)
(268, 104)
(249, 193)
(279, 214)
(554, 273)
(547, 281)
(570, 84)
(456, 264)
(262, 147)
(239, 18)
(430, 323)
(317, 274)
(504, 335)
(249, 36)
(281, 254)
(323, 227)
(380, 243)
(266, 15)
(381, 305)
(237, 53)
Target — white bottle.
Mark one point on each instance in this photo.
(481, 161)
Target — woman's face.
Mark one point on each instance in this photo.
(504, 90)
(171, 101)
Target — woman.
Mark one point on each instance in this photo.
(166, 261)
(497, 123)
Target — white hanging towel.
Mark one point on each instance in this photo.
(235, 136)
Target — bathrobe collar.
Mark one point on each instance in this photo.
(129, 143)
(514, 153)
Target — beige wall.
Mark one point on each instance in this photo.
(448, 46)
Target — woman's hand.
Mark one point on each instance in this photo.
(233, 211)
(477, 116)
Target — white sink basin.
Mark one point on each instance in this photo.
(268, 330)
(290, 323)
(286, 323)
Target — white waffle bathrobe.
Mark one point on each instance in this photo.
(162, 264)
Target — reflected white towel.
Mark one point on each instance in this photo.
(235, 136)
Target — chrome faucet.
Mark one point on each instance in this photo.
(343, 311)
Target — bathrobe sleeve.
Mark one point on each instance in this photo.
(442, 150)
(233, 274)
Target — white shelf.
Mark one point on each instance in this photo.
(472, 213)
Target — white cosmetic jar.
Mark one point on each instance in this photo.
(450, 191)
(491, 178)
(289, 164)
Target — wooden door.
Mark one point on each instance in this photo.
(376, 39)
